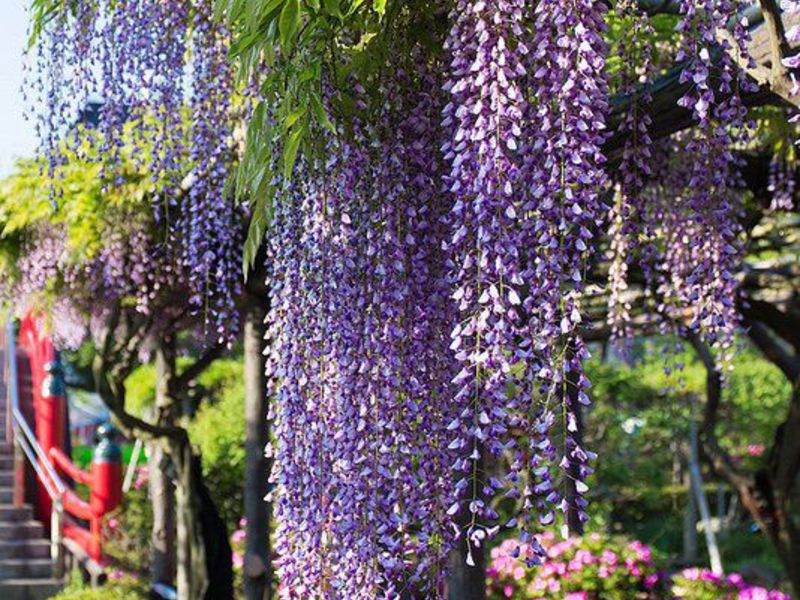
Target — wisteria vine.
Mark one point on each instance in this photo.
(154, 76)
(428, 266)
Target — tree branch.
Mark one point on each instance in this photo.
(182, 381)
(773, 350)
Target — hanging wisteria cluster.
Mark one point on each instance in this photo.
(130, 266)
(152, 75)
(698, 286)
(631, 233)
(390, 252)
(358, 358)
(475, 232)
(429, 262)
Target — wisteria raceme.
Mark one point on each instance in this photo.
(357, 269)
(151, 75)
(567, 183)
(782, 184)
(631, 233)
(485, 115)
(708, 198)
(527, 181)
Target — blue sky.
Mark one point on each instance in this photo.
(17, 137)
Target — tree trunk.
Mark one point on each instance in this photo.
(257, 572)
(465, 582)
(200, 546)
(768, 493)
(192, 578)
(573, 516)
(162, 492)
(162, 538)
(205, 569)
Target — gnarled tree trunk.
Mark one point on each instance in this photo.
(162, 491)
(257, 573)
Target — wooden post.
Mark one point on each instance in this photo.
(702, 502)
(57, 539)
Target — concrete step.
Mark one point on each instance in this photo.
(6, 495)
(24, 549)
(21, 530)
(29, 589)
(6, 478)
(7, 462)
(27, 568)
(9, 512)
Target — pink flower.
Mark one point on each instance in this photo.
(238, 561)
(609, 557)
(577, 596)
(142, 475)
(238, 536)
(692, 574)
(508, 591)
(735, 579)
(113, 524)
(755, 449)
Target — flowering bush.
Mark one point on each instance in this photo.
(702, 584)
(586, 568)
(599, 567)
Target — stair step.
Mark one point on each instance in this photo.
(15, 568)
(29, 589)
(25, 549)
(7, 462)
(6, 478)
(6, 495)
(20, 530)
(9, 512)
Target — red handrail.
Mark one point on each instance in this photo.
(104, 480)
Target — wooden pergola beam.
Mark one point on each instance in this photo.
(667, 117)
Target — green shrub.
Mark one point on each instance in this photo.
(126, 588)
(128, 529)
(218, 430)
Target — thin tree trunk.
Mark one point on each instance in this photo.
(573, 516)
(257, 570)
(162, 537)
(690, 526)
(192, 577)
(200, 546)
(162, 491)
(463, 581)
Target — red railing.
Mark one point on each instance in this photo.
(46, 403)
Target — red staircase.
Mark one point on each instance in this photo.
(26, 566)
(43, 521)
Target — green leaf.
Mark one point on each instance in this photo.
(380, 7)
(321, 114)
(290, 150)
(259, 221)
(332, 7)
(293, 117)
(289, 22)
